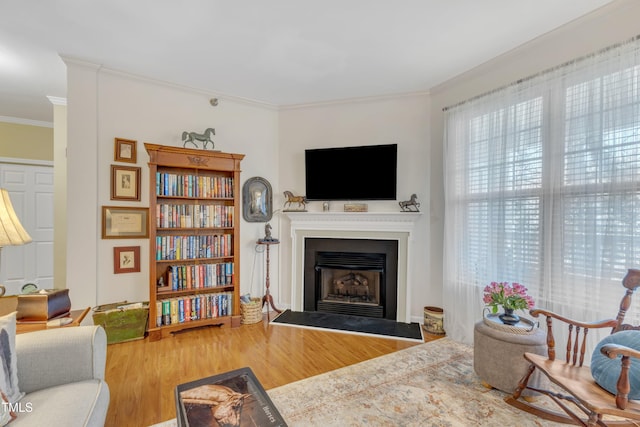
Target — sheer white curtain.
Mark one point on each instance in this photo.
(542, 187)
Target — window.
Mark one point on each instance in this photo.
(542, 187)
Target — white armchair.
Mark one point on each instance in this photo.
(62, 373)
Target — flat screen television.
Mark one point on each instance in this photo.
(366, 172)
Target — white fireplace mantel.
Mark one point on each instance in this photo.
(398, 226)
(375, 221)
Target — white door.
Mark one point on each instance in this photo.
(31, 190)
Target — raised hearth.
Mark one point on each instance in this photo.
(396, 226)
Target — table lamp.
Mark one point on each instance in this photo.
(11, 231)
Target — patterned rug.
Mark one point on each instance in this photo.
(431, 384)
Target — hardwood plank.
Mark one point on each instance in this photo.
(143, 374)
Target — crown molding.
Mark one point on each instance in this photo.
(221, 96)
(28, 122)
(56, 100)
(355, 100)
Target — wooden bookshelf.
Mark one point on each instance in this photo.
(194, 256)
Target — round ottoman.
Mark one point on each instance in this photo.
(498, 356)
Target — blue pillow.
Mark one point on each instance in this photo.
(606, 371)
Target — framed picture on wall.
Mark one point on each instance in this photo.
(125, 223)
(126, 259)
(125, 183)
(125, 150)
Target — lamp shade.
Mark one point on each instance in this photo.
(11, 231)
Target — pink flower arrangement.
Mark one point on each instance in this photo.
(511, 296)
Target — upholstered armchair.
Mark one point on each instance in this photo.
(61, 371)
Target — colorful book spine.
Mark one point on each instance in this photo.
(189, 185)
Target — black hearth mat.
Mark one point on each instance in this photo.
(343, 322)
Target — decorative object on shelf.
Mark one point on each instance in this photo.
(300, 200)
(124, 222)
(325, 207)
(511, 296)
(267, 235)
(205, 138)
(356, 207)
(125, 183)
(11, 231)
(257, 200)
(125, 150)
(126, 259)
(410, 205)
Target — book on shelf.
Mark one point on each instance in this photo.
(193, 246)
(234, 398)
(204, 187)
(187, 308)
(193, 216)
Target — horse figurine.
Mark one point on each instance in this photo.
(300, 200)
(411, 205)
(204, 137)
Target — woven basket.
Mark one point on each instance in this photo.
(251, 311)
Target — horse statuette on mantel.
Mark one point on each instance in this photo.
(300, 200)
(205, 138)
(410, 205)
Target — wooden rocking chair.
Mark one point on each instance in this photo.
(580, 392)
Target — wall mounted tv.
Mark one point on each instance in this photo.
(351, 173)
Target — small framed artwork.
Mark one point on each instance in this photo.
(125, 151)
(125, 222)
(257, 200)
(126, 259)
(125, 183)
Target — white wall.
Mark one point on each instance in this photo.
(402, 120)
(102, 105)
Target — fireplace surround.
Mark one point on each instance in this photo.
(394, 226)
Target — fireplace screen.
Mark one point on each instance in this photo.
(350, 283)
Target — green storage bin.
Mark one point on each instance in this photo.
(122, 321)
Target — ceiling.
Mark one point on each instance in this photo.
(279, 52)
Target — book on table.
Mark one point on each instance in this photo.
(234, 398)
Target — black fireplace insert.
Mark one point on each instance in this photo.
(351, 276)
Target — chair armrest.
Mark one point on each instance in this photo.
(622, 386)
(60, 356)
(606, 323)
(614, 350)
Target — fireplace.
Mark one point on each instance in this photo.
(351, 276)
(399, 227)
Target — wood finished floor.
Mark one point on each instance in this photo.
(142, 375)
